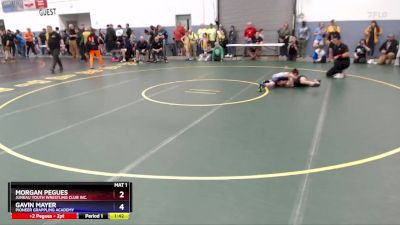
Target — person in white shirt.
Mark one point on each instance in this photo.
(319, 55)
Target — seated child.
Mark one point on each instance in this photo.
(319, 55)
(360, 53)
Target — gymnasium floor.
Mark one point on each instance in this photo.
(202, 146)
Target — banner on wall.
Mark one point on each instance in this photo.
(22, 5)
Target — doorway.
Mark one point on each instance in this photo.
(75, 19)
(185, 20)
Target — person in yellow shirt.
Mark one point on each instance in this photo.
(193, 38)
(186, 44)
(372, 33)
(212, 34)
(333, 30)
(200, 32)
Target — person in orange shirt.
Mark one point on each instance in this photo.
(92, 46)
(29, 37)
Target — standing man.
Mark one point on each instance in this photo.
(53, 45)
(340, 53)
(43, 40)
(179, 33)
(29, 37)
(128, 30)
(284, 35)
(73, 44)
(304, 35)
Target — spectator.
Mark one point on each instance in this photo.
(249, 33)
(186, 44)
(63, 47)
(92, 46)
(340, 53)
(119, 32)
(222, 38)
(82, 38)
(388, 50)
(126, 49)
(284, 34)
(319, 33)
(102, 38)
(11, 38)
(21, 43)
(157, 51)
(6, 45)
(1, 42)
(53, 44)
(193, 38)
(142, 47)
(232, 37)
(319, 55)
(128, 30)
(42, 40)
(163, 35)
(217, 53)
(360, 53)
(373, 32)
(29, 37)
(73, 44)
(212, 34)
(292, 49)
(64, 37)
(202, 30)
(304, 35)
(332, 31)
(207, 50)
(111, 39)
(179, 33)
(397, 62)
(255, 52)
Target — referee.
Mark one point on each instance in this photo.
(53, 45)
(341, 59)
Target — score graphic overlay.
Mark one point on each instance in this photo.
(69, 201)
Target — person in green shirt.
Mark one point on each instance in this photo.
(217, 53)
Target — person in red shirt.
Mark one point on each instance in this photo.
(179, 33)
(249, 34)
(29, 37)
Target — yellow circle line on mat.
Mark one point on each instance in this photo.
(199, 105)
(195, 178)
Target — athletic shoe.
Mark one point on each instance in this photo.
(166, 61)
(52, 71)
(261, 88)
(338, 76)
